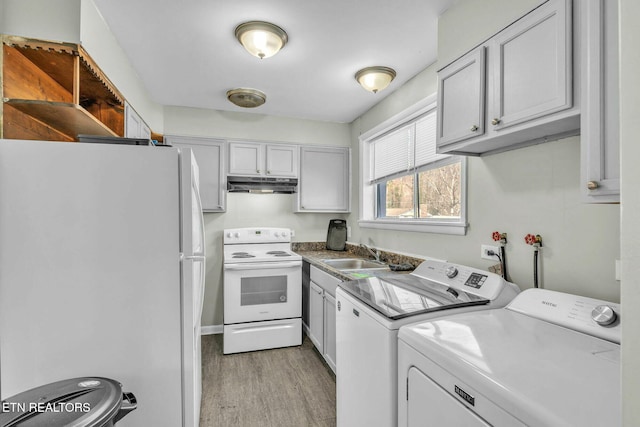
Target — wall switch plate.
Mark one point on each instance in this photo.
(485, 249)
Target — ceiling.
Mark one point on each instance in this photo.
(187, 55)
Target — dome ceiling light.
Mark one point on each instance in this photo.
(246, 97)
(375, 79)
(261, 39)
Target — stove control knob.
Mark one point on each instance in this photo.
(236, 235)
(284, 234)
(451, 272)
(276, 234)
(229, 234)
(604, 315)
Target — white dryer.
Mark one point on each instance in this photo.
(547, 359)
(369, 313)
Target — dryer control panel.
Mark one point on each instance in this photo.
(587, 315)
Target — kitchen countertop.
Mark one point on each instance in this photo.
(315, 252)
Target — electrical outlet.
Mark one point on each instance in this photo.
(485, 249)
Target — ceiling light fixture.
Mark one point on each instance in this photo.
(375, 79)
(261, 39)
(246, 97)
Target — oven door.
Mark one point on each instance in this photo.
(262, 291)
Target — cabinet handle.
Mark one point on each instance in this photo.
(474, 128)
(257, 170)
(268, 172)
(495, 121)
(592, 185)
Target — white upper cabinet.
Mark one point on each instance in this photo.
(599, 136)
(210, 156)
(134, 126)
(461, 98)
(261, 159)
(522, 78)
(325, 179)
(532, 66)
(281, 160)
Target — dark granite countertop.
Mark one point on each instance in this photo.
(315, 252)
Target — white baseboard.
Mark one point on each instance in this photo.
(211, 329)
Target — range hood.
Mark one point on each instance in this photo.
(257, 184)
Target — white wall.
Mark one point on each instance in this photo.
(2, 15)
(251, 210)
(44, 19)
(99, 42)
(630, 225)
(530, 190)
(78, 21)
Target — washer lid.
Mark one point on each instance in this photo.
(401, 296)
(540, 373)
(89, 401)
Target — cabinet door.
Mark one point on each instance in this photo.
(325, 179)
(461, 98)
(246, 158)
(531, 66)
(330, 331)
(282, 160)
(316, 316)
(599, 129)
(132, 123)
(210, 155)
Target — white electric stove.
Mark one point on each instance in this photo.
(262, 290)
(547, 359)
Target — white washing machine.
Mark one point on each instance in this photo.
(369, 313)
(547, 359)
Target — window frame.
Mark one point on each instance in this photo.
(367, 191)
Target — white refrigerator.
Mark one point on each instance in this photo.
(102, 271)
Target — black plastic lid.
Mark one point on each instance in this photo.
(87, 402)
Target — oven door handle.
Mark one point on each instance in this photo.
(262, 266)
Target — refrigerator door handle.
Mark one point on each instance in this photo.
(193, 257)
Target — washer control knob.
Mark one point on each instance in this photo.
(451, 272)
(604, 315)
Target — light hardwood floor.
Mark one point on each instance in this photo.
(288, 387)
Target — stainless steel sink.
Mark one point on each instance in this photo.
(347, 264)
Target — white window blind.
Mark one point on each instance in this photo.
(409, 147)
(392, 153)
(425, 151)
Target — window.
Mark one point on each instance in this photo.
(407, 185)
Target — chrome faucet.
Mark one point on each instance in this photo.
(374, 252)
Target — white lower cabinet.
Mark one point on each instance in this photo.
(322, 314)
(316, 316)
(329, 352)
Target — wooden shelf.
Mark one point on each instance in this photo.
(55, 91)
(68, 119)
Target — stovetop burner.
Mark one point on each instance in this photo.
(242, 255)
(278, 253)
